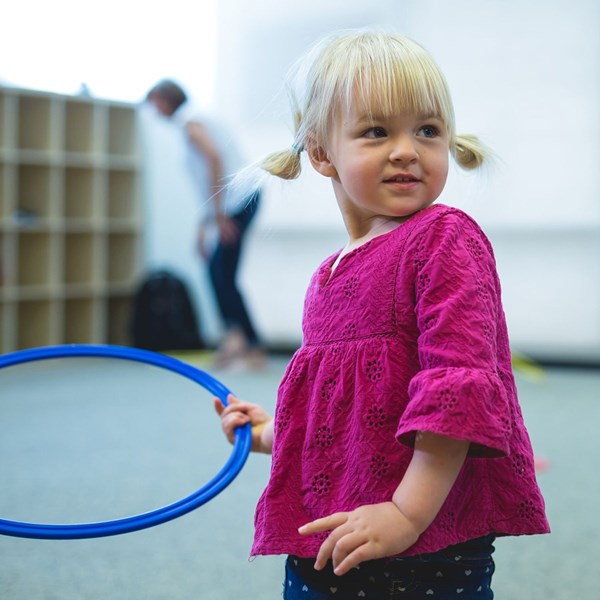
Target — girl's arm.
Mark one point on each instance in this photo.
(237, 413)
(386, 529)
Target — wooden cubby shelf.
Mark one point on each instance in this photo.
(80, 319)
(79, 127)
(3, 118)
(70, 221)
(119, 308)
(34, 114)
(80, 259)
(34, 194)
(34, 256)
(81, 195)
(36, 321)
(122, 196)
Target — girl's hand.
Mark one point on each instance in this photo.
(237, 413)
(368, 532)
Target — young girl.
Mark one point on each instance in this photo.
(399, 449)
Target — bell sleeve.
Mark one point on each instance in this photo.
(459, 391)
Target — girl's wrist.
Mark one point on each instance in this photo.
(415, 522)
(258, 443)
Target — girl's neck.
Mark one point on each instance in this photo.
(381, 227)
(377, 227)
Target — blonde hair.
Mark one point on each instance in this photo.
(387, 71)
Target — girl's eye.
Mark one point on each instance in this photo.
(376, 132)
(429, 131)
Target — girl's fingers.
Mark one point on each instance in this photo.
(324, 524)
(336, 547)
(236, 406)
(332, 522)
(345, 549)
(342, 563)
(219, 406)
(326, 551)
(231, 399)
(233, 421)
(239, 419)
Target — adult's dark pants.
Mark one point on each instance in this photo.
(223, 269)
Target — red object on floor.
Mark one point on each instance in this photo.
(541, 464)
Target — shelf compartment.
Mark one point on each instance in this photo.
(4, 114)
(80, 323)
(34, 193)
(80, 199)
(121, 131)
(5, 344)
(5, 196)
(35, 123)
(7, 322)
(4, 264)
(122, 257)
(79, 126)
(122, 195)
(34, 251)
(7, 261)
(119, 320)
(36, 323)
(80, 258)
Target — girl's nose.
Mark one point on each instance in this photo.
(404, 150)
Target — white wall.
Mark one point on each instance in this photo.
(525, 76)
(116, 48)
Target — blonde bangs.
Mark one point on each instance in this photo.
(391, 89)
(386, 74)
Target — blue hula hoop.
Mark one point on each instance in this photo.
(237, 458)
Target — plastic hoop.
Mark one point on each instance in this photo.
(237, 459)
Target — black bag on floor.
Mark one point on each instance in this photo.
(163, 315)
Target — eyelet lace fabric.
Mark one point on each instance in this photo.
(407, 334)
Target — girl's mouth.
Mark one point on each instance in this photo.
(402, 179)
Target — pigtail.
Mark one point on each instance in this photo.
(285, 164)
(469, 152)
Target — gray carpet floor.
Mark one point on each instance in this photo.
(98, 440)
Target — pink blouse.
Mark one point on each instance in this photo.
(407, 334)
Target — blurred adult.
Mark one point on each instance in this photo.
(226, 214)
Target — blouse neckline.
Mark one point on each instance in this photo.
(328, 271)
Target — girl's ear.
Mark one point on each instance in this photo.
(320, 161)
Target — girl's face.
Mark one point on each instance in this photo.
(383, 166)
